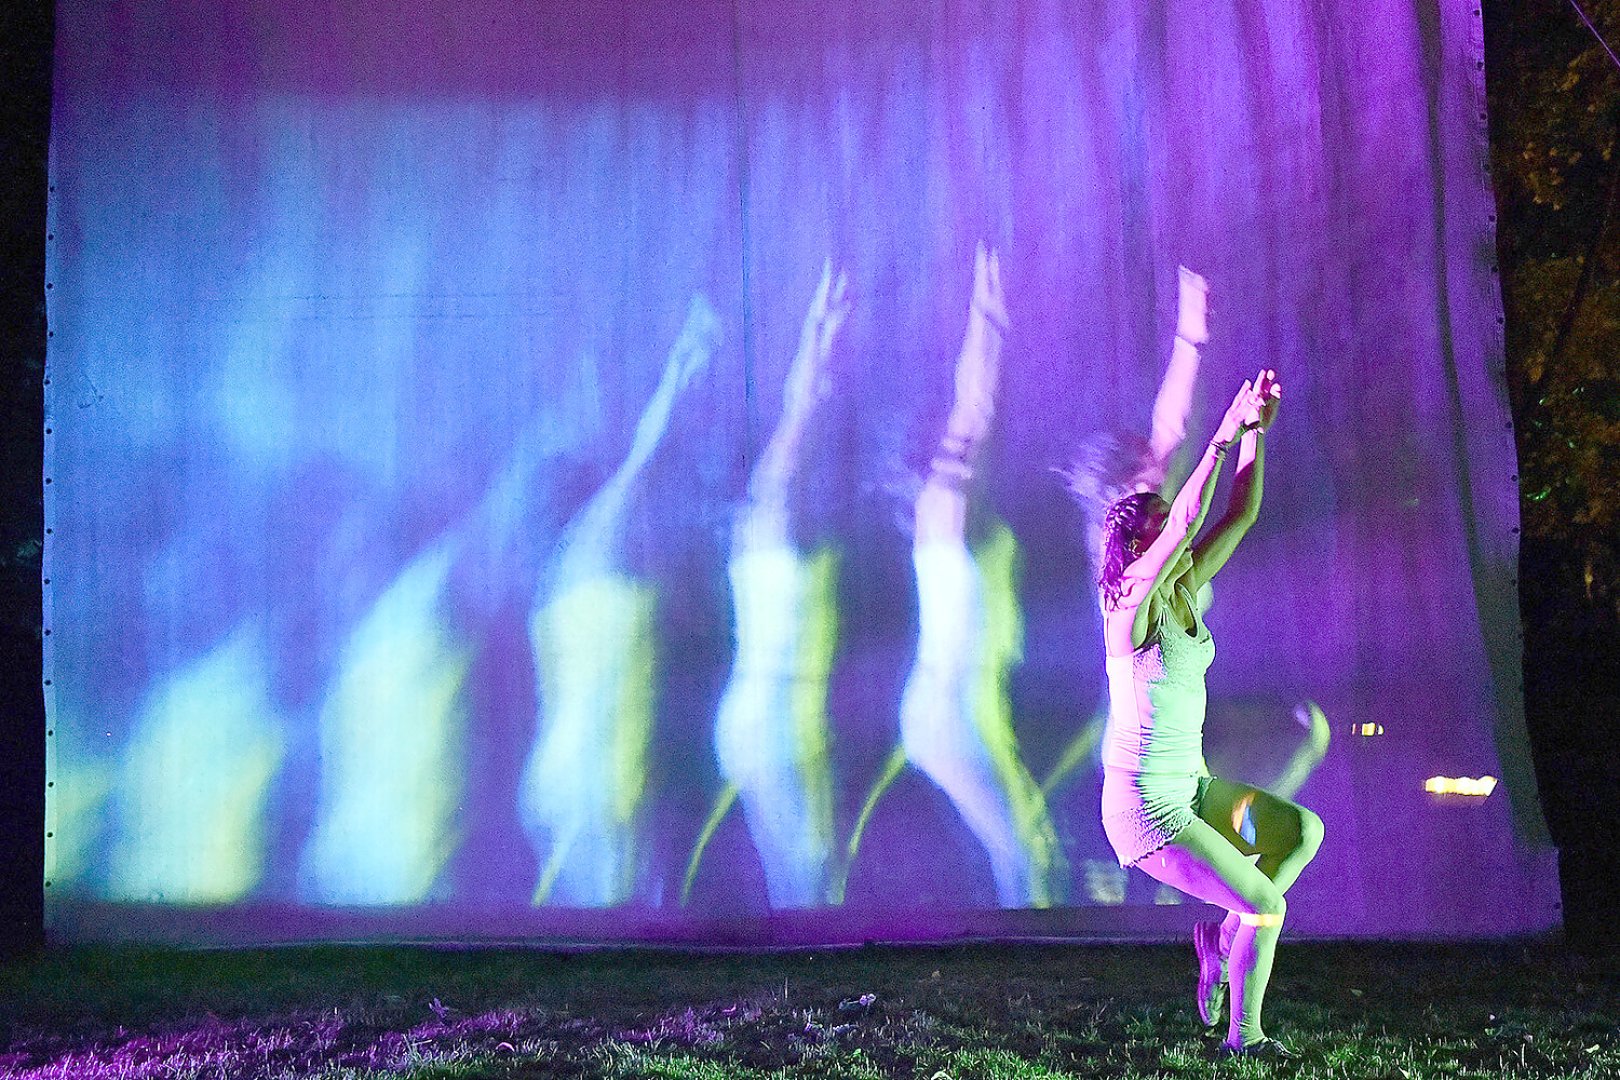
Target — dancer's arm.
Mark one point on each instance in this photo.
(591, 539)
(1151, 572)
(1248, 484)
(763, 521)
(941, 507)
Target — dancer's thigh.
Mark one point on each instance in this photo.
(1280, 826)
(1204, 864)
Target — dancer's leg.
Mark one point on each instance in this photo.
(1204, 864)
(1286, 835)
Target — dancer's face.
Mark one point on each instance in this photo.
(1152, 525)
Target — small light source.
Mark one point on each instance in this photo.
(1460, 785)
(1367, 730)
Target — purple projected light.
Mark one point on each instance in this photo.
(407, 581)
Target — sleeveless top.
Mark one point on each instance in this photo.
(1156, 699)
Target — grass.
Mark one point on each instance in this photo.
(982, 1012)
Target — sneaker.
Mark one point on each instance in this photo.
(1211, 973)
(1265, 1049)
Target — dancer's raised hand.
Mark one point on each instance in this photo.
(807, 380)
(1242, 414)
(699, 338)
(830, 306)
(988, 299)
(1270, 399)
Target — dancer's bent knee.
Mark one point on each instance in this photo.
(1311, 832)
(1264, 909)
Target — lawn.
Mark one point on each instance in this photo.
(1011, 1012)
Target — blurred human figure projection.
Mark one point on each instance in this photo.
(592, 636)
(955, 717)
(771, 732)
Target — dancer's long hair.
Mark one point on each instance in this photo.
(1122, 524)
(1110, 464)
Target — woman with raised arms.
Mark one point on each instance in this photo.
(1161, 810)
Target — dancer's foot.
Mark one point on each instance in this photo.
(1211, 972)
(1309, 715)
(1266, 1049)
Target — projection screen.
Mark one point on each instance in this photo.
(603, 471)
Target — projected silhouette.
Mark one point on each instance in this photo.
(955, 720)
(593, 640)
(392, 747)
(199, 839)
(770, 735)
(395, 723)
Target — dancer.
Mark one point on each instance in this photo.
(1161, 810)
(771, 732)
(592, 637)
(955, 719)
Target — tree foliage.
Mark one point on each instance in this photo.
(1555, 104)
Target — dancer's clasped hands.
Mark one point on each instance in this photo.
(1254, 407)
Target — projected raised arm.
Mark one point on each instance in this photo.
(941, 507)
(1174, 401)
(592, 636)
(592, 542)
(771, 730)
(763, 520)
(1114, 463)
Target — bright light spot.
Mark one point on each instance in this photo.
(1240, 817)
(1460, 785)
(1367, 730)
